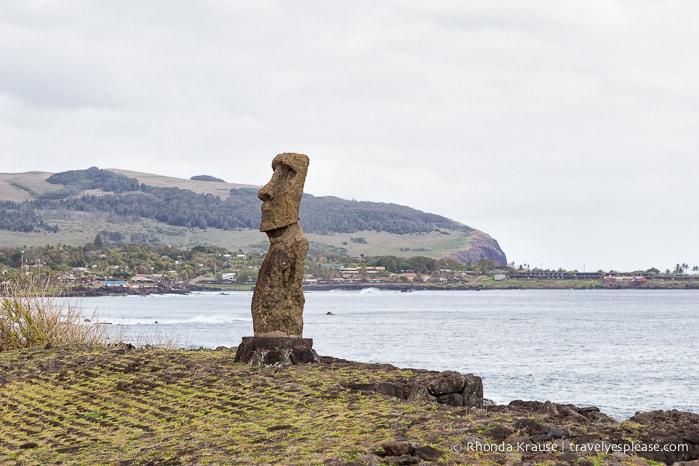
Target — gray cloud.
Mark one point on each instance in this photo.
(565, 130)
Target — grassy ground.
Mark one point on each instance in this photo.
(89, 405)
(83, 405)
(80, 228)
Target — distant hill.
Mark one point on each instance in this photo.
(72, 207)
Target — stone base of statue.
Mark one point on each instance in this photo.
(276, 351)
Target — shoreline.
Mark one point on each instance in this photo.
(406, 288)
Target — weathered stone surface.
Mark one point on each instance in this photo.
(445, 382)
(277, 303)
(673, 428)
(481, 246)
(398, 448)
(417, 391)
(452, 399)
(366, 460)
(428, 453)
(281, 196)
(276, 351)
(403, 460)
(394, 389)
(499, 433)
(473, 391)
(468, 389)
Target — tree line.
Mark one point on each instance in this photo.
(125, 260)
(123, 196)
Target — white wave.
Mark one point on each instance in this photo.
(369, 290)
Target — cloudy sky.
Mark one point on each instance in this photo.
(568, 131)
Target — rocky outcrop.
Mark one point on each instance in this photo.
(679, 429)
(481, 246)
(448, 387)
(532, 432)
(405, 452)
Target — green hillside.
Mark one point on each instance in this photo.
(71, 207)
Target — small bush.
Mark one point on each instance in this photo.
(30, 316)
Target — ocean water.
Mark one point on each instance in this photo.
(621, 350)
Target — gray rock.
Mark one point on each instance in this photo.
(452, 399)
(403, 460)
(473, 391)
(398, 448)
(428, 453)
(445, 382)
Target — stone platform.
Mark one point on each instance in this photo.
(276, 351)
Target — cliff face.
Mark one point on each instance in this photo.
(481, 246)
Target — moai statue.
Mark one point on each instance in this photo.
(277, 302)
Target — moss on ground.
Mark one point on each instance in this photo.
(88, 405)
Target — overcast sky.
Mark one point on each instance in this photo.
(568, 131)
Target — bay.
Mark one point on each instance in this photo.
(621, 350)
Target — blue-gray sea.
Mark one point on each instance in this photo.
(621, 350)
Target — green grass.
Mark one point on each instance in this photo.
(196, 406)
(86, 405)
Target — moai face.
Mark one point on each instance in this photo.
(281, 197)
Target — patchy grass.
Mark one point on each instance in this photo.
(92, 405)
(86, 405)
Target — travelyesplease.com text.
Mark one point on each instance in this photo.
(592, 448)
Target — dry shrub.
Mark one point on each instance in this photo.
(30, 315)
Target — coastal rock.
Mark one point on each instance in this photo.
(499, 433)
(417, 391)
(394, 389)
(428, 453)
(472, 391)
(452, 399)
(445, 382)
(447, 387)
(398, 448)
(403, 460)
(562, 412)
(481, 246)
(366, 460)
(678, 429)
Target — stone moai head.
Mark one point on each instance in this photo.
(281, 197)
